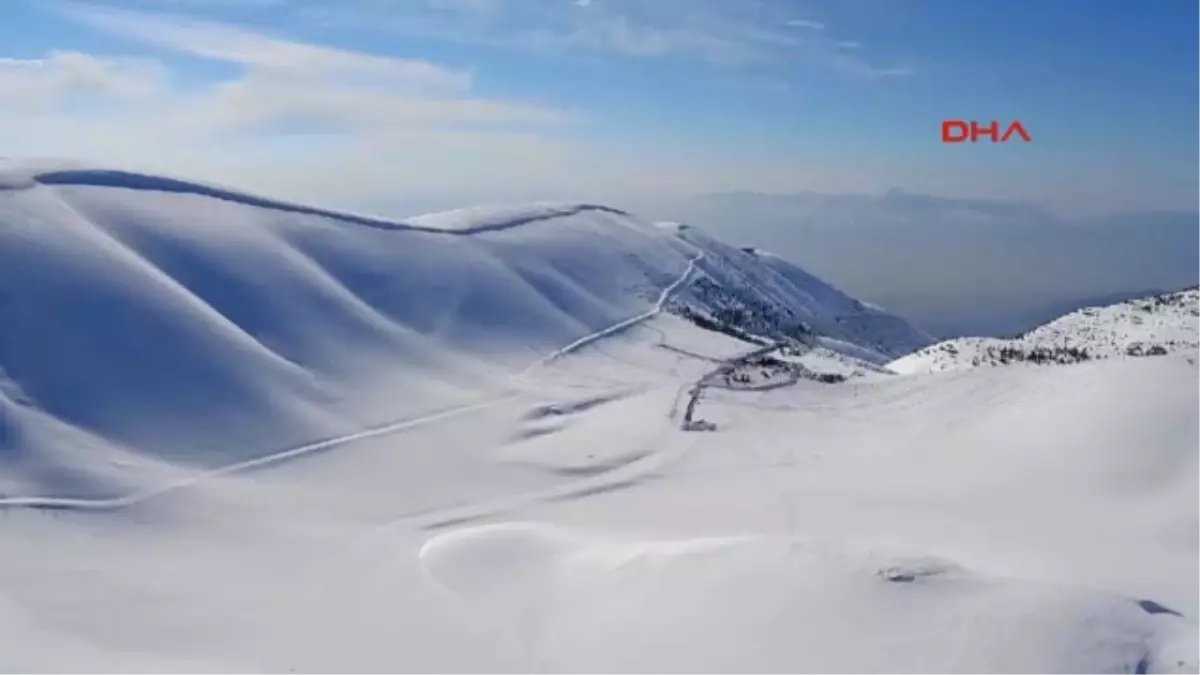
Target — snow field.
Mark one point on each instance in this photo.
(377, 478)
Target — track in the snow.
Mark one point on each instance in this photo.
(107, 504)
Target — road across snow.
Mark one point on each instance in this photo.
(266, 460)
(345, 439)
(621, 325)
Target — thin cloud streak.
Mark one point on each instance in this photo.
(222, 42)
(805, 23)
(291, 85)
(716, 33)
(66, 74)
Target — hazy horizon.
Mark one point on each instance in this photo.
(821, 118)
(475, 101)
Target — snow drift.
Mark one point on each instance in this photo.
(795, 602)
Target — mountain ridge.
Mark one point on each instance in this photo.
(162, 323)
(1147, 326)
(128, 180)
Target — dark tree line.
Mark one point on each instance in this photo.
(1039, 355)
(747, 313)
(1139, 349)
(718, 326)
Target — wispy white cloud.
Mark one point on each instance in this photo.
(206, 5)
(222, 4)
(306, 121)
(300, 121)
(346, 127)
(623, 35)
(221, 42)
(477, 7)
(293, 85)
(259, 102)
(805, 23)
(718, 32)
(66, 75)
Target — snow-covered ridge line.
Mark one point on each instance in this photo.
(136, 181)
(1150, 326)
(771, 298)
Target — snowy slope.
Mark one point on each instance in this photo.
(206, 328)
(991, 520)
(504, 484)
(1144, 327)
(764, 604)
(767, 294)
(151, 324)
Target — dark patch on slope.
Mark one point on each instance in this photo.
(1152, 607)
(571, 407)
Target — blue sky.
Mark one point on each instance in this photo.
(387, 103)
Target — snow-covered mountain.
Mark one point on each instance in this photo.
(239, 435)
(1151, 326)
(766, 295)
(289, 324)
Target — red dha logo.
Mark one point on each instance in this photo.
(957, 131)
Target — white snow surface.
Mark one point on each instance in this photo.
(152, 324)
(242, 436)
(1165, 323)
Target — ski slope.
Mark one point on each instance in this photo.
(238, 435)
